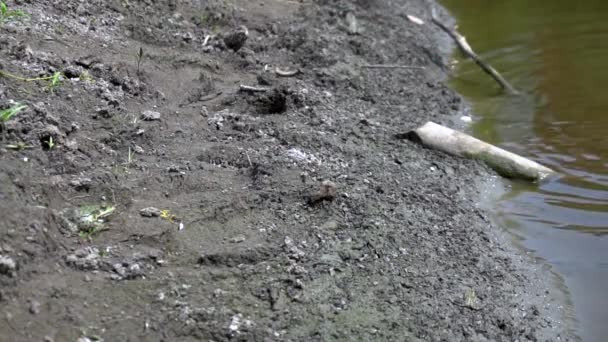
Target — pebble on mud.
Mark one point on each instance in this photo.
(150, 212)
(327, 192)
(7, 266)
(34, 307)
(330, 225)
(86, 258)
(238, 239)
(150, 115)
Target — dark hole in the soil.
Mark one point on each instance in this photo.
(258, 170)
(273, 102)
(47, 141)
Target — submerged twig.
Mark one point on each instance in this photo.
(467, 50)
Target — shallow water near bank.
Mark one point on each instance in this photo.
(556, 53)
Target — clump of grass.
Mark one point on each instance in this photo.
(6, 13)
(54, 79)
(20, 146)
(167, 215)
(85, 76)
(8, 113)
(92, 219)
(50, 143)
(130, 159)
(140, 57)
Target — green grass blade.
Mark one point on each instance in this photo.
(6, 114)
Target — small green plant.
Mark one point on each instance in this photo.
(130, 157)
(8, 113)
(92, 219)
(140, 56)
(85, 76)
(167, 215)
(54, 79)
(50, 143)
(5, 13)
(20, 146)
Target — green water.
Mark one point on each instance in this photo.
(556, 52)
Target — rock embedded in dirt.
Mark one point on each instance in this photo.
(150, 212)
(150, 115)
(34, 307)
(327, 192)
(235, 40)
(50, 131)
(8, 266)
(238, 239)
(138, 149)
(73, 71)
(86, 258)
(330, 225)
(352, 23)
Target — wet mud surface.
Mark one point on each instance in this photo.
(176, 186)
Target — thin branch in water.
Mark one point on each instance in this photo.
(467, 50)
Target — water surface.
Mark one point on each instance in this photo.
(556, 52)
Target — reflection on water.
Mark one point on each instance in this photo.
(556, 51)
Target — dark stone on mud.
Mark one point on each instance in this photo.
(235, 40)
(81, 183)
(327, 192)
(264, 79)
(73, 71)
(149, 115)
(150, 212)
(86, 258)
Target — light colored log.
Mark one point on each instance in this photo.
(505, 163)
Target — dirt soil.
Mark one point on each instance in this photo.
(147, 197)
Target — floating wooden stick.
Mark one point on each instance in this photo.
(461, 41)
(507, 164)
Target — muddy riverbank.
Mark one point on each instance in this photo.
(149, 197)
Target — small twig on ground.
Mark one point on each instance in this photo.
(286, 73)
(474, 308)
(467, 50)
(250, 89)
(390, 66)
(210, 96)
(248, 159)
(207, 37)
